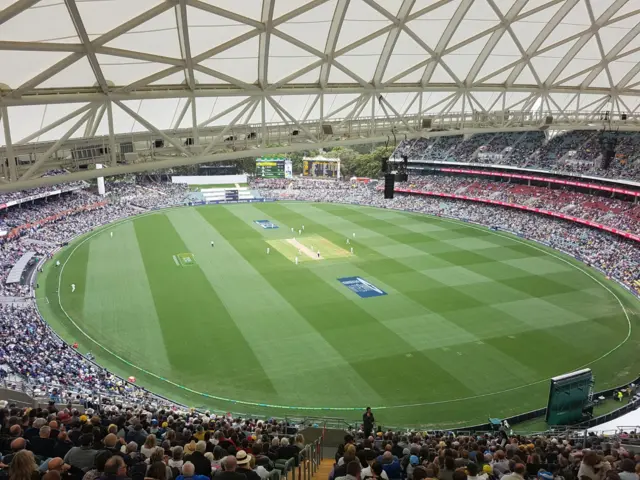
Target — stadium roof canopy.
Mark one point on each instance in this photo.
(86, 68)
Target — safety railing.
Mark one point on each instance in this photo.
(310, 459)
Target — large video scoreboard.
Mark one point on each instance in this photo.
(273, 168)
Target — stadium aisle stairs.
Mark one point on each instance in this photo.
(324, 469)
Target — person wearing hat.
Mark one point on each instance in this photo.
(244, 465)
(414, 461)
(487, 472)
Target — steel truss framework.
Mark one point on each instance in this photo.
(189, 81)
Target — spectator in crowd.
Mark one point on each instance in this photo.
(23, 467)
(189, 473)
(82, 457)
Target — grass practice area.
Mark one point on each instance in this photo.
(429, 321)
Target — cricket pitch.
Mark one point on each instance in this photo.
(306, 248)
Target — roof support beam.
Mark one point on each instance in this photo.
(235, 120)
(452, 26)
(98, 42)
(332, 38)
(89, 124)
(265, 39)
(391, 40)
(112, 140)
(194, 123)
(54, 148)
(183, 112)
(152, 128)
(11, 159)
(310, 109)
(224, 112)
(383, 101)
(506, 20)
(278, 107)
(566, 7)
(183, 39)
(582, 41)
(72, 8)
(53, 125)
(97, 120)
(207, 7)
(15, 8)
(612, 54)
(225, 77)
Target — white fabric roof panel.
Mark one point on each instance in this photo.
(499, 44)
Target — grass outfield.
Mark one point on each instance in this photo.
(470, 323)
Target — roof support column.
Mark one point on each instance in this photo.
(13, 176)
(112, 139)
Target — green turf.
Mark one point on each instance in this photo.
(197, 188)
(473, 325)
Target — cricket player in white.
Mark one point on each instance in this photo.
(302, 227)
(352, 250)
(354, 234)
(299, 232)
(348, 241)
(213, 244)
(292, 230)
(296, 260)
(268, 250)
(57, 263)
(73, 287)
(111, 234)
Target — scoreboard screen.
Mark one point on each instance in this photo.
(273, 168)
(270, 168)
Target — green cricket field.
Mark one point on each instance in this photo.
(429, 321)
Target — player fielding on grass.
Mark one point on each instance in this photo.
(213, 244)
(268, 250)
(296, 260)
(348, 241)
(351, 250)
(73, 287)
(111, 234)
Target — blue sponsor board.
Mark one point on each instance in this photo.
(360, 286)
(266, 224)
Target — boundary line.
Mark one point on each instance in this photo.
(388, 407)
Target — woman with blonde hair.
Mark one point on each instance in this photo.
(149, 446)
(23, 467)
